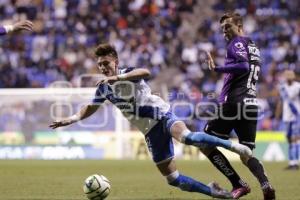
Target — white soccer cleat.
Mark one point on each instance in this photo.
(218, 192)
(241, 149)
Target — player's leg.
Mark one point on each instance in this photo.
(298, 148)
(222, 127)
(293, 150)
(297, 138)
(181, 133)
(159, 142)
(174, 178)
(200, 139)
(213, 154)
(246, 132)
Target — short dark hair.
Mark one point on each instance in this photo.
(236, 18)
(106, 50)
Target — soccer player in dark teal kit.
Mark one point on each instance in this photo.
(237, 105)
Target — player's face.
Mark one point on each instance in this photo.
(229, 29)
(107, 65)
(289, 75)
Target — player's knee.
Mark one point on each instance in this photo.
(172, 178)
(179, 181)
(179, 131)
(245, 159)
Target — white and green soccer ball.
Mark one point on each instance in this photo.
(96, 187)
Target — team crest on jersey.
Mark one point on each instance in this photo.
(240, 49)
(239, 45)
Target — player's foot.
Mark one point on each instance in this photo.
(269, 193)
(241, 191)
(292, 167)
(240, 149)
(218, 192)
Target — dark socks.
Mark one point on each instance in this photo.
(223, 165)
(258, 171)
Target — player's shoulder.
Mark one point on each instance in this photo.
(241, 42)
(125, 69)
(238, 46)
(103, 89)
(297, 83)
(238, 43)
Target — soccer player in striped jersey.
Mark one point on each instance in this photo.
(289, 91)
(18, 26)
(128, 91)
(238, 105)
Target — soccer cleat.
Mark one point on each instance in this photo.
(218, 192)
(292, 167)
(241, 149)
(269, 193)
(241, 191)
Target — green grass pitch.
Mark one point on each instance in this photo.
(130, 180)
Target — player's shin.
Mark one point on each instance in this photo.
(298, 147)
(257, 170)
(200, 139)
(222, 164)
(293, 154)
(187, 184)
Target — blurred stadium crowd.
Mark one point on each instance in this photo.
(168, 37)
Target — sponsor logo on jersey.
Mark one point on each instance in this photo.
(250, 101)
(254, 58)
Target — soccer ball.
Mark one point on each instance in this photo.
(96, 187)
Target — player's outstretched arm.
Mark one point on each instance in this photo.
(235, 68)
(85, 112)
(136, 74)
(18, 26)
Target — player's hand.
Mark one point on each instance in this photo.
(109, 79)
(210, 62)
(61, 123)
(23, 25)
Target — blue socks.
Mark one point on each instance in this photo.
(298, 150)
(290, 153)
(293, 153)
(200, 139)
(190, 185)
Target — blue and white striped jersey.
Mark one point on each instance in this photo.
(135, 101)
(290, 95)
